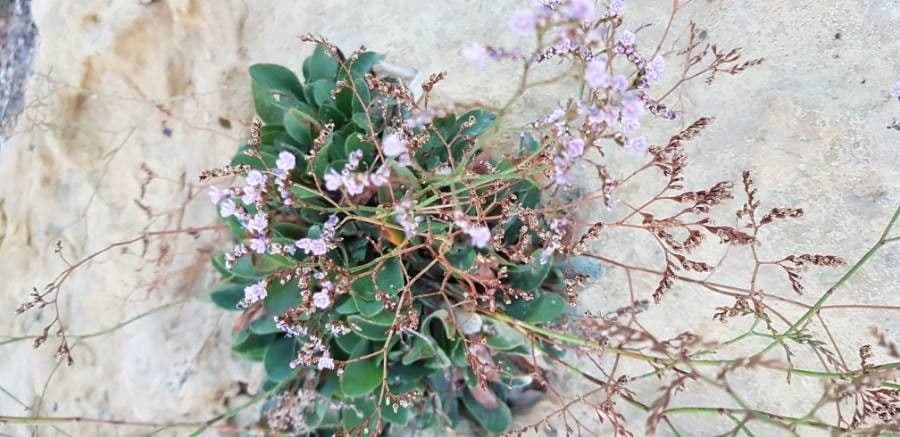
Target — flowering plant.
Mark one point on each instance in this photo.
(397, 264)
(389, 267)
(374, 241)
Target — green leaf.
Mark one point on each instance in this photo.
(320, 65)
(297, 124)
(250, 346)
(528, 144)
(483, 121)
(227, 296)
(269, 81)
(321, 90)
(495, 420)
(360, 119)
(363, 287)
(361, 378)
(422, 348)
(505, 337)
(461, 257)
(546, 307)
(529, 276)
(366, 307)
(352, 344)
(278, 358)
(400, 418)
(357, 414)
(354, 142)
(301, 192)
(528, 193)
(390, 277)
(276, 78)
(364, 63)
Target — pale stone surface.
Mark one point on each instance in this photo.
(114, 75)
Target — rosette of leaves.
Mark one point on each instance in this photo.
(435, 327)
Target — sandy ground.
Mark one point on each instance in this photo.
(128, 88)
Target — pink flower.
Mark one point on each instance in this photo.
(321, 300)
(523, 22)
(227, 208)
(476, 54)
(393, 145)
(333, 180)
(895, 91)
(619, 83)
(251, 195)
(286, 161)
(216, 195)
(254, 293)
(258, 223)
(615, 8)
(627, 38)
(632, 108)
(380, 177)
(582, 10)
(637, 144)
(258, 245)
(595, 73)
(480, 235)
(654, 69)
(255, 178)
(575, 147)
(316, 246)
(325, 362)
(355, 185)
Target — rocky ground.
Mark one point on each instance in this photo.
(131, 99)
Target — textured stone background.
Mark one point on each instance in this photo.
(115, 76)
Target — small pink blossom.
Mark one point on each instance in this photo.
(595, 73)
(227, 208)
(480, 235)
(627, 38)
(393, 145)
(615, 8)
(255, 178)
(523, 22)
(325, 362)
(637, 144)
(582, 10)
(619, 83)
(286, 161)
(251, 195)
(258, 223)
(254, 293)
(476, 54)
(333, 180)
(258, 245)
(321, 300)
(654, 69)
(217, 195)
(314, 246)
(380, 177)
(574, 147)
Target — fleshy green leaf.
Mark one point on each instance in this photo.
(495, 420)
(278, 358)
(390, 277)
(227, 296)
(529, 276)
(320, 65)
(357, 414)
(361, 378)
